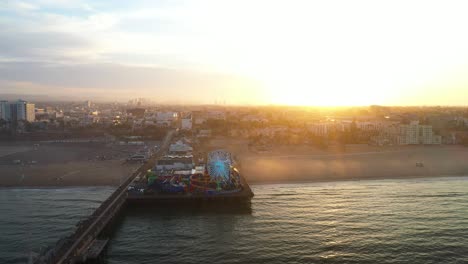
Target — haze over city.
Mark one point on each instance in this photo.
(238, 52)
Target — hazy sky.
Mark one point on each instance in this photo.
(283, 52)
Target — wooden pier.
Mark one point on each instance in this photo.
(75, 247)
(84, 244)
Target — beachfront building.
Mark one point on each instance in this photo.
(325, 128)
(375, 125)
(415, 134)
(426, 136)
(319, 129)
(387, 136)
(408, 134)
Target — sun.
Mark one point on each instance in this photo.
(307, 90)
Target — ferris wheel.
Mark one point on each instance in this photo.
(219, 165)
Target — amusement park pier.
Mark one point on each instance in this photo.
(217, 183)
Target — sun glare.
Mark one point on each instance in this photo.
(313, 53)
(300, 52)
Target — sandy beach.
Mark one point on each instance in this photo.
(100, 164)
(26, 165)
(305, 163)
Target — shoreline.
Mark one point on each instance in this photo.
(43, 187)
(356, 179)
(251, 183)
(67, 166)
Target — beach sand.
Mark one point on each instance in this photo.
(355, 162)
(23, 164)
(78, 165)
(103, 173)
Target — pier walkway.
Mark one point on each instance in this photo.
(76, 247)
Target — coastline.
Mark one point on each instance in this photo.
(258, 183)
(291, 164)
(251, 183)
(71, 165)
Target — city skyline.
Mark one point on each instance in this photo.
(261, 52)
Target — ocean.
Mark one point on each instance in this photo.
(420, 220)
(34, 218)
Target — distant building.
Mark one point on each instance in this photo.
(5, 112)
(374, 125)
(319, 129)
(88, 120)
(408, 134)
(88, 104)
(204, 133)
(180, 148)
(215, 115)
(254, 118)
(19, 111)
(414, 134)
(174, 162)
(137, 112)
(186, 123)
(166, 118)
(199, 120)
(139, 102)
(200, 117)
(387, 136)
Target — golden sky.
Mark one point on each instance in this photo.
(242, 52)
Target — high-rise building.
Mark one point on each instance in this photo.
(22, 111)
(88, 104)
(5, 112)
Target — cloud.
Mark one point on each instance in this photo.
(121, 82)
(290, 46)
(18, 6)
(62, 50)
(43, 46)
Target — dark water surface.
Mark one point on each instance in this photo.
(381, 221)
(31, 218)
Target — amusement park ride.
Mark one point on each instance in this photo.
(218, 177)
